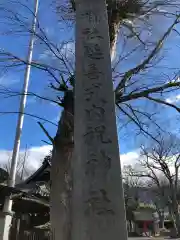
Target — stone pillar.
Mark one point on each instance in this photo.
(98, 202)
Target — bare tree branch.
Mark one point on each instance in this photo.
(141, 66)
(145, 93)
(46, 132)
(30, 115)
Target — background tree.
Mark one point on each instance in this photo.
(22, 168)
(160, 163)
(131, 185)
(160, 197)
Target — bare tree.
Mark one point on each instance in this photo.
(132, 185)
(160, 163)
(22, 169)
(160, 197)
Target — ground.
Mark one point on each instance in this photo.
(152, 238)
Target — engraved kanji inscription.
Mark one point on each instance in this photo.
(93, 51)
(92, 91)
(96, 134)
(91, 163)
(95, 113)
(99, 203)
(91, 17)
(91, 33)
(106, 160)
(90, 136)
(98, 163)
(92, 72)
(101, 133)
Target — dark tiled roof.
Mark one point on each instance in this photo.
(42, 174)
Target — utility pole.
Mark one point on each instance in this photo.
(12, 175)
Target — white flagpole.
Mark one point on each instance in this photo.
(12, 175)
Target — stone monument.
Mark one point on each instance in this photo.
(98, 203)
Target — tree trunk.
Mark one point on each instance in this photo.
(98, 202)
(175, 208)
(177, 219)
(161, 220)
(174, 212)
(131, 226)
(61, 173)
(171, 212)
(114, 26)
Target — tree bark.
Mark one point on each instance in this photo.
(175, 207)
(174, 210)
(61, 173)
(114, 26)
(161, 220)
(177, 219)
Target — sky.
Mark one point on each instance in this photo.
(57, 32)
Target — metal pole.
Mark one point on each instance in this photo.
(12, 175)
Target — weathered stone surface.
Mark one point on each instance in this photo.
(98, 205)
